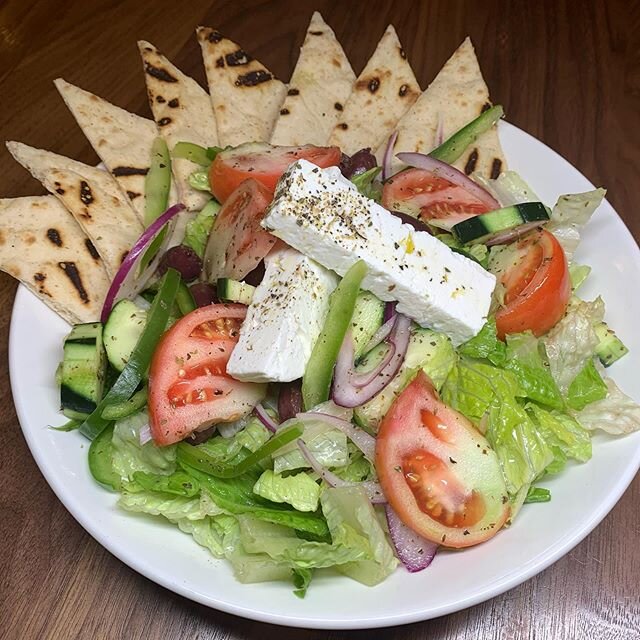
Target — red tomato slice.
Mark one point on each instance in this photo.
(264, 163)
(437, 471)
(189, 388)
(426, 196)
(237, 243)
(537, 286)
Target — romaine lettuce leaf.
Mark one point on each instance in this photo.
(358, 469)
(209, 532)
(301, 580)
(485, 345)
(173, 508)
(197, 230)
(588, 386)
(508, 188)
(299, 490)
(178, 483)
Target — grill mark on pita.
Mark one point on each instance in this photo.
(403, 90)
(220, 62)
(86, 196)
(374, 85)
(54, 236)
(293, 92)
(238, 58)
(485, 107)
(163, 122)
(470, 167)
(71, 271)
(59, 189)
(174, 103)
(496, 167)
(91, 249)
(316, 33)
(284, 112)
(39, 277)
(133, 195)
(129, 171)
(160, 100)
(158, 73)
(343, 125)
(338, 107)
(214, 36)
(253, 78)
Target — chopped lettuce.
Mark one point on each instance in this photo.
(486, 345)
(477, 252)
(301, 581)
(367, 184)
(210, 532)
(199, 180)
(197, 230)
(358, 469)
(587, 387)
(537, 494)
(508, 188)
(570, 214)
(299, 490)
(173, 508)
(616, 414)
(578, 274)
(178, 483)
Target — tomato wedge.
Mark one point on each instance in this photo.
(437, 471)
(426, 196)
(264, 163)
(189, 388)
(537, 285)
(237, 243)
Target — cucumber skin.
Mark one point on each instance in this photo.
(366, 320)
(230, 290)
(122, 330)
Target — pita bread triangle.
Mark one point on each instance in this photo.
(457, 95)
(245, 95)
(182, 111)
(91, 195)
(320, 85)
(383, 92)
(43, 246)
(122, 139)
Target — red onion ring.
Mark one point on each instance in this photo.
(372, 489)
(265, 418)
(365, 442)
(351, 389)
(125, 283)
(389, 310)
(414, 551)
(381, 334)
(444, 170)
(388, 155)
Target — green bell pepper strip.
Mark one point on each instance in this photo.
(452, 148)
(537, 494)
(101, 460)
(184, 299)
(316, 381)
(202, 461)
(157, 182)
(136, 368)
(119, 410)
(192, 152)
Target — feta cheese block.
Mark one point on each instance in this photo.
(284, 319)
(321, 214)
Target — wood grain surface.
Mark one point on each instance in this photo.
(567, 72)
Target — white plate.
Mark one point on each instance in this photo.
(582, 495)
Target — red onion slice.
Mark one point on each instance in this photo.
(351, 389)
(126, 284)
(414, 551)
(505, 237)
(365, 442)
(372, 489)
(389, 310)
(388, 155)
(444, 170)
(265, 418)
(381, 334)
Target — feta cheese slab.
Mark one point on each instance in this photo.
(284, 319)
(321, 214)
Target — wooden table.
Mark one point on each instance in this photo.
(567, 72)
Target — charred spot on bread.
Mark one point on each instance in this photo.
(91, 249)
(158, 73)
(253, 78)
(71, 271)
(238, 58)
(293, 92)
(86, 195)
(163, 122)
(174, 103)
(54, 237)
(472, 161)
(496, 168)
(402, 92)
(129, 171)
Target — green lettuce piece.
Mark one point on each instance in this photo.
(564, 435)
(130, 456)
(178, 483)
(367, 184)
(354, 524)
(210, 532)
(358, 469)
(477, 252)
(299, 490)
(486, 345)
(587, 387)
(485, 393)
(527, 359)
(573, 341)
(537, 494)
(578, 274)
(173, 508)
(301, 580)
(616, 414)
(224, 450)
(508, 188)
(197, 230)
(199, 180)
(235, 496)
(570, 214)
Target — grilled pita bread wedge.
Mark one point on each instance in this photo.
(91, 195)
(44, 247)
(245, 95)
(382, 94)
(319, 87)
(457, 95)
(182, 111)
(122, 140)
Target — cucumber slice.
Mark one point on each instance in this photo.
(82, 371)
(610, 348)
(366, 320)
(501, 225)
(122, 330)
(229, 290)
